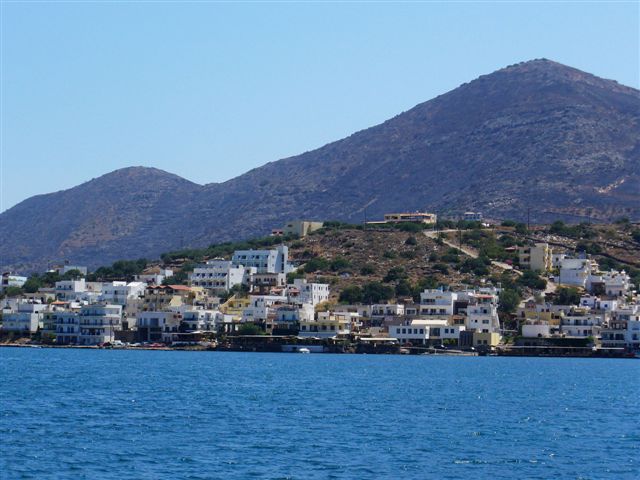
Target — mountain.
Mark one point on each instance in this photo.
(536, 138)
(123, 214)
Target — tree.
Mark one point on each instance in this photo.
(250, 329)
(441, 267)
(367, 270)
(558, 228)
(13, 291)
(375, 292)
(567, 296)
(476, 265)
(411, 241)
(409, 227)
(338, 264)
(351, 295)
(404, 289)
(315, 264)
(531, 279)
(291, 276)
(521, 228)
(32, 284)
(394, 273)
(73, 274)
(178, 278)
(508, 300)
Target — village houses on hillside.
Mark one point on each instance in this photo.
(223, 297)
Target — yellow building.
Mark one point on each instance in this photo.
(541, 312)
(330, 324)
(486, 339)
(234, 306)
(413, 217)
(301, 228)
(535, 257)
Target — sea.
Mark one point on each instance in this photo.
(124, 414)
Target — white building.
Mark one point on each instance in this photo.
(11, 280)
(576, 271)
(581, 323)
(482, 314)
(265, 261)
(596, 303)
(68, 290)
(387, 310)
(67, 328)
(312, 293)
(557, 258)
(260, 306)
(98, 323)
(622, 333)
(155, 326)
(422, 332)
(612, 283)
(537, 329)
(27, 318)
(119, 293)
(200, 320)
(219, 275)
(437, 302)
(155, 276)
(68, 268)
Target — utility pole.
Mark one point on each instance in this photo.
(528, 218)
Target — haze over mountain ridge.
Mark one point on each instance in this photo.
(536, 135)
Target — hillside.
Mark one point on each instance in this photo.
(535, 136)
(124, 214)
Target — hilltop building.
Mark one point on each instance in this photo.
(264, 261)
(301, 228)
(410, 217)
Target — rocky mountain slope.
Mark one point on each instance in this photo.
(537, 136)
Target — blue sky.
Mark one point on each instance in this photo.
(211, 90)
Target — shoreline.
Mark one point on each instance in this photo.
(413, 351)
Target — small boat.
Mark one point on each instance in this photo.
(304, 350)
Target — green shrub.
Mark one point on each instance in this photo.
(531, 279)
(315, 264)
(394, 273)
(375, 292)
(351, 295)
(339, 264)
(509, 300)
(367, 270)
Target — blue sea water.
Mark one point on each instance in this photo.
(199, 415)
